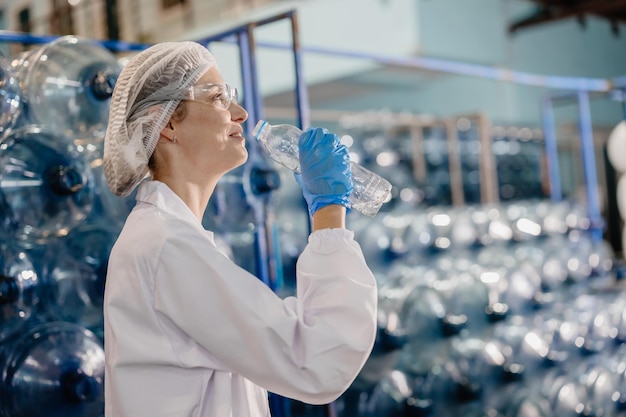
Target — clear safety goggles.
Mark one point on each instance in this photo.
(214, 94)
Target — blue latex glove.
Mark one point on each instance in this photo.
(325, 176)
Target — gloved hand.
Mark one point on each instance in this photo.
(325, 176)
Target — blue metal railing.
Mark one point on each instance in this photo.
(30, 39)
(572, 89)
(575, 89)
(585, 127)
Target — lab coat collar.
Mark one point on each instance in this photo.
(161, 196)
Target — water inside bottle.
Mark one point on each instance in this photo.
(369, 192)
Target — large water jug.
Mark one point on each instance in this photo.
(54, 369)
(45, 184)
(527, 347)
(74, 275)
(229, 215)
(108, 209)
(518, 400)
(566, 393)
(10, 98)
(18, 288)
(481, 362)
(393, 396)
(601, 376)
(67, 84)
(382, 239)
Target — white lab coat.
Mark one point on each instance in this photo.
(188, 333)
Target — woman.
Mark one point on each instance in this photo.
(187, 331)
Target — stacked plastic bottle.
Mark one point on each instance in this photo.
(58, 225)
(504, 310)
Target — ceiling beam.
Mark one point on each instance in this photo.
(549, 11)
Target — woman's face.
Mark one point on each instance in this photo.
(212, 137)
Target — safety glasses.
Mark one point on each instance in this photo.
(215, 94)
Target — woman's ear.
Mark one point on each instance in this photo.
(168, 131)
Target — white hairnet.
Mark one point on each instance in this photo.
(147, 92)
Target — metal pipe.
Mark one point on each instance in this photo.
(487, 168)
(29, 39)
(247, 79)
(419, 158)
(225, 35)
(589, 166)
(260, 231)
(302, 97)
(454, 163)
(463, 68)
(433, 64)
(271, 247)
(552, 153)
(256, 90)
(371, 119)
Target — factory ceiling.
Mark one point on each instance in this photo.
(614, 11)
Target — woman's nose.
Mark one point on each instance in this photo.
(238, 113)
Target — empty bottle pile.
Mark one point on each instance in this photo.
(509, 310)
(59, 222)
(503, 310)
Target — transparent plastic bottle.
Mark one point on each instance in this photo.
(10, 97)
(52, 369)
(73, 275)
(67, 86)
(370, 190)
(46, 185)
(19, 288)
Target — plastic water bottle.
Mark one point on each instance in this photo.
(370, 190)
(46, 186)
(10, 98)
(52, 369)
(19, 288)
(67, 85)
(74, 274)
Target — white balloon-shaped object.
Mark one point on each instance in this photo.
(621, 196)
(616, 147)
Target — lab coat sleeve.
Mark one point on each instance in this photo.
(309, 348)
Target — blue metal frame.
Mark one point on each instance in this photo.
(249, 65)
(585, 127)
(589, 164)
(29, 39)
(552, 152)
(462, 68)
(577, 88)
(302, 98)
